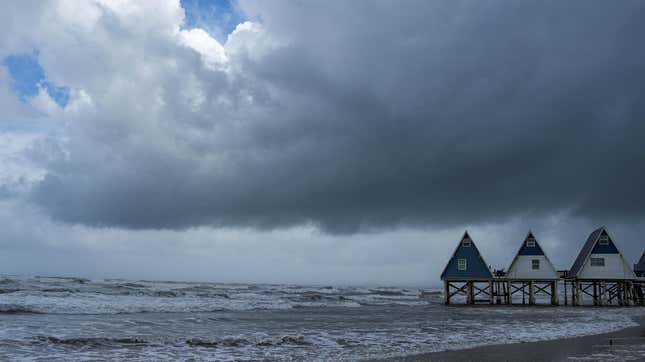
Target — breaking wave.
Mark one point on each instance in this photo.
(54, 295)
(16, 309)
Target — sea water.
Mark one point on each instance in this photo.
(46, 318)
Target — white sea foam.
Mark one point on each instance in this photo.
(146, 320)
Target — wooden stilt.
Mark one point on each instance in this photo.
(446, 291)
(531, 293)
(490, 292)
(595, 293)
(554, 292)
(625, 303)
(470, 297)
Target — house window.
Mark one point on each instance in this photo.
(530, 243)
(466, 243)
(597, 261)
(604, 240)
(461, 264)
(535, 264)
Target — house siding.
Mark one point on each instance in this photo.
(615, 268)
(522, 268)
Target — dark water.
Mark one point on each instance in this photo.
(77, 319)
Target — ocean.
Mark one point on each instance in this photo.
(52, 318)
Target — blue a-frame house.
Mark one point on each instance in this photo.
(466, 263)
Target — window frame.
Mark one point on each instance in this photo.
(462, 262)
(597, 262)
(534, 263)
(603, 240)
(530, 243)
(466, 243)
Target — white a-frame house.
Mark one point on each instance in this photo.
(531, 263)
(601, 259)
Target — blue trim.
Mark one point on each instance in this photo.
(528, 250)
(610, 248)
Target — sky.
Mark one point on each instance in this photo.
(313, 141)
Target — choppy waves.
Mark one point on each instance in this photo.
(79, 319)
(113, 296)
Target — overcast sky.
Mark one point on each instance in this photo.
(347, 142)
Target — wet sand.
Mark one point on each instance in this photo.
(626, 344)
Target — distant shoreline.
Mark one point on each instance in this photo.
(552, 350)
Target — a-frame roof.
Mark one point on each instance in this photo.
(476, 267)
(592, 247)
(525, 250)
(640, 266)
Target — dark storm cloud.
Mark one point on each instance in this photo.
(376, 114)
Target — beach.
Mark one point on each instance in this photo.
(624, 345)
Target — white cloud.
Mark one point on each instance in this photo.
(17, 172)
(211, 50)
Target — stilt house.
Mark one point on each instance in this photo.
(465, 272)
(600, 259)
(530, 262)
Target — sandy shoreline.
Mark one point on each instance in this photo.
(627, 344)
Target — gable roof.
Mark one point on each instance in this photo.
(527, 250)
(476, 267)
(592, 247)
(640, 266)
(585, 251)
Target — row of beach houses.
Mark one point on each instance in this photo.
(600, 275)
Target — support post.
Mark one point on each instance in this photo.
(639, 293)
(446, 291)
(471, 297)
(566, 302)
(578, 294)
(490, 292)
(531, 293)
(554, 292)
(595, 293)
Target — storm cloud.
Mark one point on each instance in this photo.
(349, 116)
